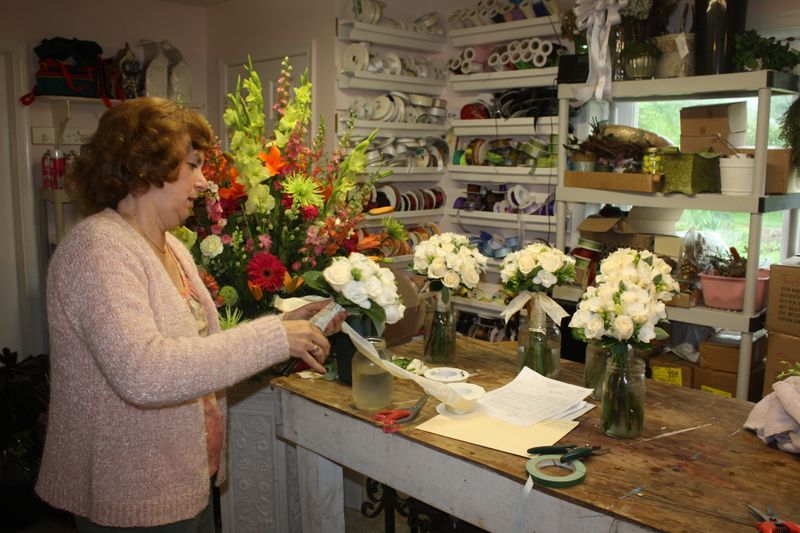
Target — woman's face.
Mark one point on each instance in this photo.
(176, 198)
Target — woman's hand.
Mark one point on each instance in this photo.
(307, 343)
(311, 309)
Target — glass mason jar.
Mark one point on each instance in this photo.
(622, 411)
(440, 330)
(539, 344)
(372, 385)
(594, 367)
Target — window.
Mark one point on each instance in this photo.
(731, 228)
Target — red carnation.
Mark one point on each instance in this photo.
(266, 271)
(309, 212)
(287, 202)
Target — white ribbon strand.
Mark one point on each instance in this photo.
(597, 17)
(550, 306)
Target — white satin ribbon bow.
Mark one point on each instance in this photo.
(550, 306)
(597, 17)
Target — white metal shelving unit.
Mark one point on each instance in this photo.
(763, 84)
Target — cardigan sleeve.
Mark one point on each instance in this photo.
(101, 297)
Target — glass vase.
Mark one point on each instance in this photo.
(440, 330)
(342, 348)
(594, 367)
(539, 345)
(372, 385)
(622, 411)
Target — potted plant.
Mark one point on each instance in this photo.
(24, 392)
(640, 59)
(790, 132)
(723, 282)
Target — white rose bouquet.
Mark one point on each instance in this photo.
(623, 310)
(449, 262)
(529, 274)
(361, 286)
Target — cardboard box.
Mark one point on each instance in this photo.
(614, 181)
(715, 118)
(724, 383)
(636, 230)
(780, 348)
(781, 179)
(721, 352)
(783, 300)
(703, 143)
(668, 246)
(669, 368)
(686, 300)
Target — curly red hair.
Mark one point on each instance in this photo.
(138, 144)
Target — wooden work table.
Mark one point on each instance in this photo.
(693, 469)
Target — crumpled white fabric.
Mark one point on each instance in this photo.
(776, 418)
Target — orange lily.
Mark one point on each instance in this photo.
(368, 242)
(292, 283)
(232, 193)
(272, 161)
(255, 290)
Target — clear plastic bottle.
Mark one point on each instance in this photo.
(372, 385)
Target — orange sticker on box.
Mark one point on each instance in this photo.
(718, 392)
(668, 374)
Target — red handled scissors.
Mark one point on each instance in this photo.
(392, 418)
(772, 524)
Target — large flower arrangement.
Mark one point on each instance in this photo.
(449, 262)
(277, 207)
(529, 274)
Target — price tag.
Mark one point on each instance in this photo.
(683, 48)
(667, 374)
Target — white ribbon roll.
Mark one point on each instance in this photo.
(546, 48)
(539, 60)
(494, 62)
(513, 46)
(355, 56)
(526, 6)
(597, 17)
(536, 43)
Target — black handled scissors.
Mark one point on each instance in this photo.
(571, 452)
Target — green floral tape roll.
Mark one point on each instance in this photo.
(577, 471)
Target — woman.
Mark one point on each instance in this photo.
(138, 361)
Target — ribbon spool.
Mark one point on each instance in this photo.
(526, 7)
(539, 60)
(392, 64)
(494, 62)
(355, 57)
(522, 199)
(576, 475)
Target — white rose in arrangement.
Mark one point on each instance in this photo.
(451, 279)
(623, 328)
(526, 262)
(449, 261)
(356, 292)
(394, 313)
(536, 268)
(339, 274)
(211, 246)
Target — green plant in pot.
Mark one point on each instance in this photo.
(24, 396)
(640, 59)
(790, 132)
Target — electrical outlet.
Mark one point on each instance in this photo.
(41, 135)
(76, 136)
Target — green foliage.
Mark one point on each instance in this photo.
(641, 48)
(790, 132)
(791, 370)
(754, 52)
(729, 264)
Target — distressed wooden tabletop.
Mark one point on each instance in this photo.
(693, 468)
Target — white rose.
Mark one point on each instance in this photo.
(356, 292)
(421, 263)
(451, 279)
(454, 261)
(594, 328)
(545, 279)
(526, 262)
(623, 328)
(437, 268)
(394, 313)
(470, 277)
(211, 246)
(338, 274)
(374, 287)
(647, 333)
(550, 261)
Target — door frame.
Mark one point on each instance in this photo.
(24, 199)
(224, 63)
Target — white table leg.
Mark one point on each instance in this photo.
(321, 493)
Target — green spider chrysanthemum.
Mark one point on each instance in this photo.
(304, 190)
(395, 230)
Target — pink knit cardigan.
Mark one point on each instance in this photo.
(125, 438)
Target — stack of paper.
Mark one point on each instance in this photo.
(531, 398)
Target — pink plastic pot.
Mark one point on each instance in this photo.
(728, 293)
